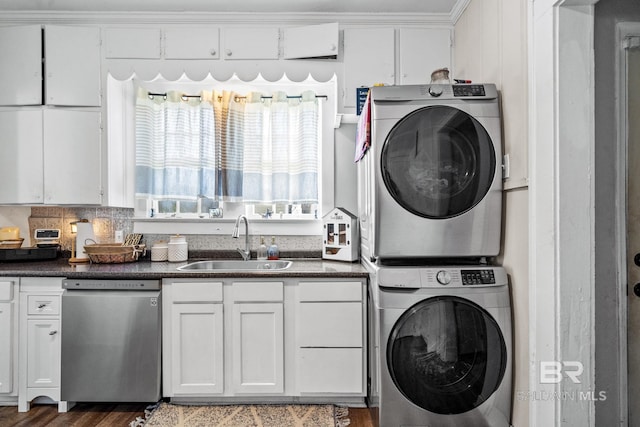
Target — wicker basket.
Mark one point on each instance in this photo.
(113, 253)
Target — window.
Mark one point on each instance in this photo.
(219, 146)
(120, 134)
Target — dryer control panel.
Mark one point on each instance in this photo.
(478, 277)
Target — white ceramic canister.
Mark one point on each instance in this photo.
(177, 248)
(160, 251)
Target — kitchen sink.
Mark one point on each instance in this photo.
(235, 265)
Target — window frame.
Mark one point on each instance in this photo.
(121, 136)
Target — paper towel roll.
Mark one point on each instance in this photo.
(85, 231)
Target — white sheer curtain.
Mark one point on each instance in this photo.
(256, 149)
(281, 148)
(175, 146)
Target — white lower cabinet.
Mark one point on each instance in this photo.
(330, 337)
(258, 337)
(279, 339)
(193, 340)
(40, 344)
(8, 339)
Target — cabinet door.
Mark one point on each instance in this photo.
(21, 68)
(43, 353)
(423, 50)
(21, 171)
(197, 349)
(132, 43)
(72, 157)
(6, 347)
(311, 41)
(258, 348)
(251, 43)
(72, 66)
(336, 324)
(192, 43)
(369, 58)
(330, 370)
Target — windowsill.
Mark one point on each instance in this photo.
(224, 226)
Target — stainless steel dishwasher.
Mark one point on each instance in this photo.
(111, 341)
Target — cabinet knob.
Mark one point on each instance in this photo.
(332, 47)
(228, 52)
(213, 52)
(53, 332)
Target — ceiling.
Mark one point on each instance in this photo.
(446, 7)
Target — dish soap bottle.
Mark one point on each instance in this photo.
(262, 249)
(273, 252)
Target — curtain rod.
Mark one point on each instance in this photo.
(185, 97)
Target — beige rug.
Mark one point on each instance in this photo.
(168, 415)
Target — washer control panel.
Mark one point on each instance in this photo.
(440, 277)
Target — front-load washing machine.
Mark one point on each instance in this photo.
(430, 186)
(444, 347)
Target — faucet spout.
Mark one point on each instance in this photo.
(246, 252)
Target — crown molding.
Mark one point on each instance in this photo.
(224, 18)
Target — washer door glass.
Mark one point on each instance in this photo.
(446, 355)
(438, 162)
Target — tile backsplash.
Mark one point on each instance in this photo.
(107, 220)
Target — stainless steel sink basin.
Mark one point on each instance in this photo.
(234, 265)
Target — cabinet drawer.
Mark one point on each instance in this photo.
(330, 291)
(6, 291)
(258, 291)
(43, 304)
(330, 324)
(197, 292)
(330, 370)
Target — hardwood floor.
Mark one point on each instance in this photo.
(107, 415)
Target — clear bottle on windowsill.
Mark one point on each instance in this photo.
(262, 249)
(273, 252)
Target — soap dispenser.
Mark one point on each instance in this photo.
(273, 252)
(262, 249)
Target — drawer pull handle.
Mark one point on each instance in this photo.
(53, 332)
(41, 306)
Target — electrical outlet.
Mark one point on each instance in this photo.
(119, 236)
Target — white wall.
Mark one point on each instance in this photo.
(491, 46)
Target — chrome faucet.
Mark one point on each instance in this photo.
(246, 252)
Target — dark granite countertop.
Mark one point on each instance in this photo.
(145, 269)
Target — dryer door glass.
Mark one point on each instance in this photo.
(438, 162)
(446, 355)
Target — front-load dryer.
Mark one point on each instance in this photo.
(444, 347)
(430, 186)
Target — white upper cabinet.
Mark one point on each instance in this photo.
(71, 66)
(21, 69)
(423, 50)
(50, 156)
(312, 41)
(72, 145)
(21, 169)
(369, 58)
(132, 43)
(192, 43)
(251, 43)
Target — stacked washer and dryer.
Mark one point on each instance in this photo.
(430, 205)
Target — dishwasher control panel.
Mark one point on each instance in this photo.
(111, 285)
